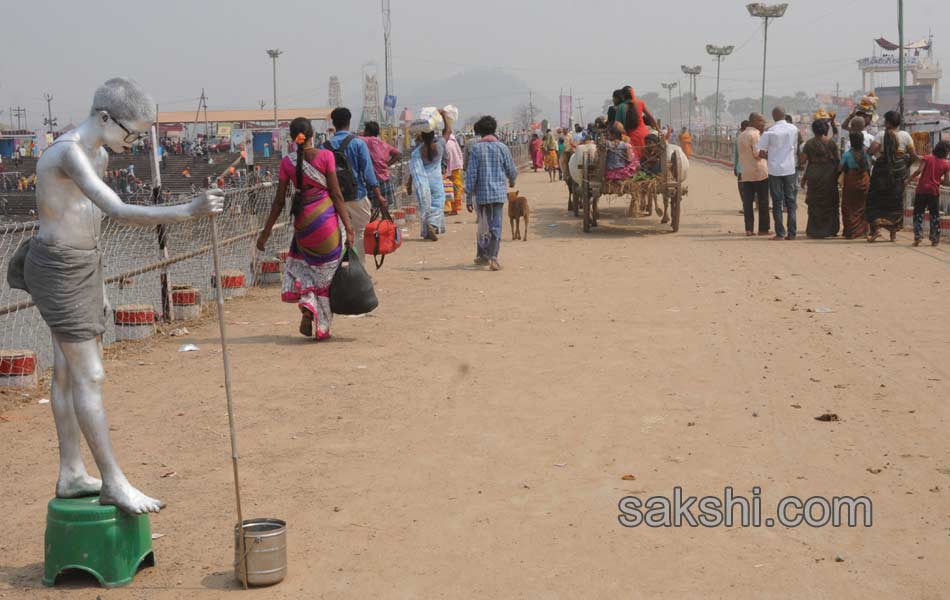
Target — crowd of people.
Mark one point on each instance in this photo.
(17, 182)
(854, 181)
(340, 183)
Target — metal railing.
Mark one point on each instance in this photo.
(135, 266)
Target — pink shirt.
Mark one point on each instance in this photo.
(381, 153)
(453, 155)
(323, 161)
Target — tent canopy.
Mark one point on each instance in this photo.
(918, 45)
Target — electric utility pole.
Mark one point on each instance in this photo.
(49, 121)
(274, 54)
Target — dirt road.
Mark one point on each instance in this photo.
(469, 439)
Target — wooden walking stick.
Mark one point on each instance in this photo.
(227, 390)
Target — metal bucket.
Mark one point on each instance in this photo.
(266, 551)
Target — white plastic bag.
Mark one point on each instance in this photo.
(451, 114)
(434, 117)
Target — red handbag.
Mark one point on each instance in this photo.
(381, 236)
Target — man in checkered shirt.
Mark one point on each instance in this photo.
(490, 171)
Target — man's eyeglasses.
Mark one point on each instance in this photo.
(130, 136)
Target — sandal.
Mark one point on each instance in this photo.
(306, 325)
(494, 266)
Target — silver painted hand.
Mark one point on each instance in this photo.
(207, 203)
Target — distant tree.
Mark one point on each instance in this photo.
(741, 108)
(709, 102)
(652, 98)
(521, 116)
(470, 122)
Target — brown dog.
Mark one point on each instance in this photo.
(517, 208)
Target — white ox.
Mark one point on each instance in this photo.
(590, 151)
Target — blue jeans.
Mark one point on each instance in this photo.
(490, 218)
(783, 188)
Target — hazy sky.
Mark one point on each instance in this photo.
(176, 47)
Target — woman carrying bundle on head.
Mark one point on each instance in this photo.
(856, 166)
(425, 169)
(316, 246)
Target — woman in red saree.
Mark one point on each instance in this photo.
(537, 161)
(635, 118)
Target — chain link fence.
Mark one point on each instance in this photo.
(134, 264)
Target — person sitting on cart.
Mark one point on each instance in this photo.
(650, 165)
(622, 162)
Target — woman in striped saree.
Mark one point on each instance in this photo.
(316, 246)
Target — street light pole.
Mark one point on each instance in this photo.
(274, 54)
(669, 99)
(766, 12)
(765, 53)
(900, 42)
(718, 52)
(693, 72)
(681, 106)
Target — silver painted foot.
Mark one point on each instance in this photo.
(77, 485)
(129, 499)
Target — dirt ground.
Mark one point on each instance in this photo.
(470, 438)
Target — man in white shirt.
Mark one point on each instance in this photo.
(778, 145)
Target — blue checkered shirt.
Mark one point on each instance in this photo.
(490, 170)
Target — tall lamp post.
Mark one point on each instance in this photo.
(766, 12)
(274, 54)
(900, 42)
(669, 93)
(718, 52)
(693, 72)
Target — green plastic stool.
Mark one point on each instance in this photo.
(101, 540)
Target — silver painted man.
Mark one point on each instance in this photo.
(61, 268)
